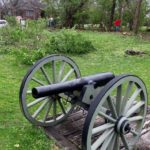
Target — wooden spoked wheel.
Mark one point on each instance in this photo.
(49, 110)
(125, 99)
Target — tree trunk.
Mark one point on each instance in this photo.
(121, 9)
(112, 15)
(136, 21)
(131, 25)
(69, 21)
(69, 18)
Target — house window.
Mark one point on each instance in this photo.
(29, 13)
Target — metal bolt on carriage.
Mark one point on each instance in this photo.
(116, 105)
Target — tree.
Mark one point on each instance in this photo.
(69, 10)
(52, 7)
(137, 16)
(104, 11)
(112, 14)
(66, 10)
(10, 5)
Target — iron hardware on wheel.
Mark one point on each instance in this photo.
(116, 105)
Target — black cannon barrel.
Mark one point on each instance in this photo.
(77, 84)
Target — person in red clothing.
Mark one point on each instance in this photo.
(117, 25)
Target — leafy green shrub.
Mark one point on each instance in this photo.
(38, 25)
(27, 56)
(17, 34)
(65, 41)
(34, 41)
(11, 20)
(4, 49)
(70, 42)
(14, 34)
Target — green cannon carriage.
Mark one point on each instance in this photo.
(116, 105)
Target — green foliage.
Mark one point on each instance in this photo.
(81, 17)
(69, 12)
(94, 16)
(25, 56)
(11, 20)
(36, 25)
(65, 41)
(144, 9)
(104, 11)
(16, 34)
(70, 42)
(72, 13)
(35, 42)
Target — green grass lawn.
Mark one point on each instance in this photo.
(16, 132)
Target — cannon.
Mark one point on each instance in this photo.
(116, 105)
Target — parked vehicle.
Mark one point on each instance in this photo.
(3, 23)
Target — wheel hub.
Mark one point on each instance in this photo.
(122, 126)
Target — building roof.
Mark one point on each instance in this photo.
(26, 4)
(29, 4)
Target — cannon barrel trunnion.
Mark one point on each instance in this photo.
(116, 105)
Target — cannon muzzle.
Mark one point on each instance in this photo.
(77, 84)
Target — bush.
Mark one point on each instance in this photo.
(34, 41)
(27, 56)
(14, 34)
(70, 42)
(11, 20)
(17, 34)
(64, 42)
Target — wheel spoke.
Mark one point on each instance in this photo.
(54, 71)
(38, 81)
(61, 71)
(36, 101)
(124, 140)
(133, 109)
(47, 110)
(102, 128)
(107, 116)
(54, 110)
(117, 143)
(101, 139)
(112, 144)
(61, 105)
(134, 132)
(29, 92)
(119, 99)
(46, 75)
(107, 141)
(67, 75)
(104, 110)
(127, 94)
(136, 118)
(112, 107)
(131, 100)
(36, 113)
